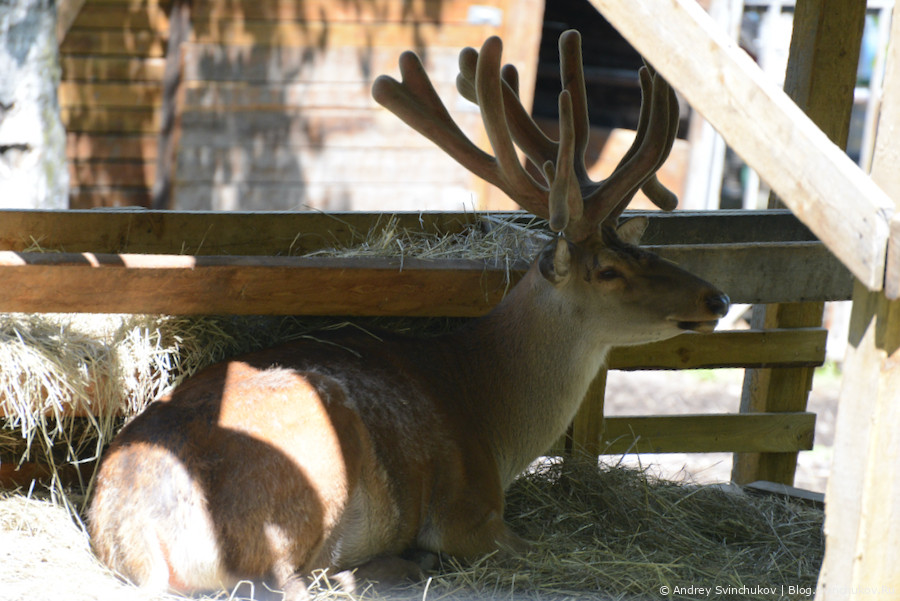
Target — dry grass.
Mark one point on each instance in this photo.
(607, 533)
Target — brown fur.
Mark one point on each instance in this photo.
(345, 452)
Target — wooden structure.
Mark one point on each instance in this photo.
(265, 104)
(120, 261)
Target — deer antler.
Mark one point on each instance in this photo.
(567, 196)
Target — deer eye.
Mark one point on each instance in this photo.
(608, 273)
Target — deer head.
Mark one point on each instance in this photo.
(613, 276)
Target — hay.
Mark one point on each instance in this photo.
(598, 533)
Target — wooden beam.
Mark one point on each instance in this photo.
(821, 77)
(814, 177)
(297, 232)
(768, 432)
(191, 285)
(738, 348)
(172, 99)
(770, 272)
(862, 500)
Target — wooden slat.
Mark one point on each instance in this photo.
(115, 68)
(167, 232)
(862, 521)
(814, 177)
(209, 233)
(749, 432)
(385, 11)
(740, 348)
(766, 272)
(190, 285)
(119, 15)
(770, 272)
(280, 64)
(81, 146)
(244, 285)
(317, 34)
(118, 173)
(114, 43)
(303, 166)
(110, 120)
(96, 95)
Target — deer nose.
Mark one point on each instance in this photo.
(718, 303)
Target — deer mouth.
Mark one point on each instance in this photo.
(698, 326)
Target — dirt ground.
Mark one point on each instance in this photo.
(717, 391)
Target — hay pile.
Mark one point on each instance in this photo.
(612, 533)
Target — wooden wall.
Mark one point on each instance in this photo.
(274, 109)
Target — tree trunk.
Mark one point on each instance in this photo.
(33, 171)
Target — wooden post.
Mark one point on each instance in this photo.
(862, 502)
(169, 130)
(821, 76)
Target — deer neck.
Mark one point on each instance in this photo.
(530, 363)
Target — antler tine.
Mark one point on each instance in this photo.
(525, 132)
(416, 102)
(657, 127)
(571, 72)
(661, 196)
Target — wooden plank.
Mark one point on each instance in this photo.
(739, 348)
(821, 76)
(110, 120)
(301, 166)
(862, 500)
(385, 11)
(279, 64)
(119, 173)
(205, 277)
(191, 285)
(237, 232)
(768, 272)
(94, 95)
(114, 43)
(317, 34)
(172, 100)
(758, 432)
(82, 146)
(811, 174)
(293, 127)
(241, 96)
(208, 233)
(112, 68)
(807, 497)
(117, 15)
(588, 426)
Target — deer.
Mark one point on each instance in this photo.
(365, 455)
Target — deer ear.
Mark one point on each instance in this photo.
(632, 230)
(555, 261)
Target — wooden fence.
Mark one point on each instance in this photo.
(229, 263)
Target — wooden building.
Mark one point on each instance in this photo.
(266, 103)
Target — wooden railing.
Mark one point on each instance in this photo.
(140, 261)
